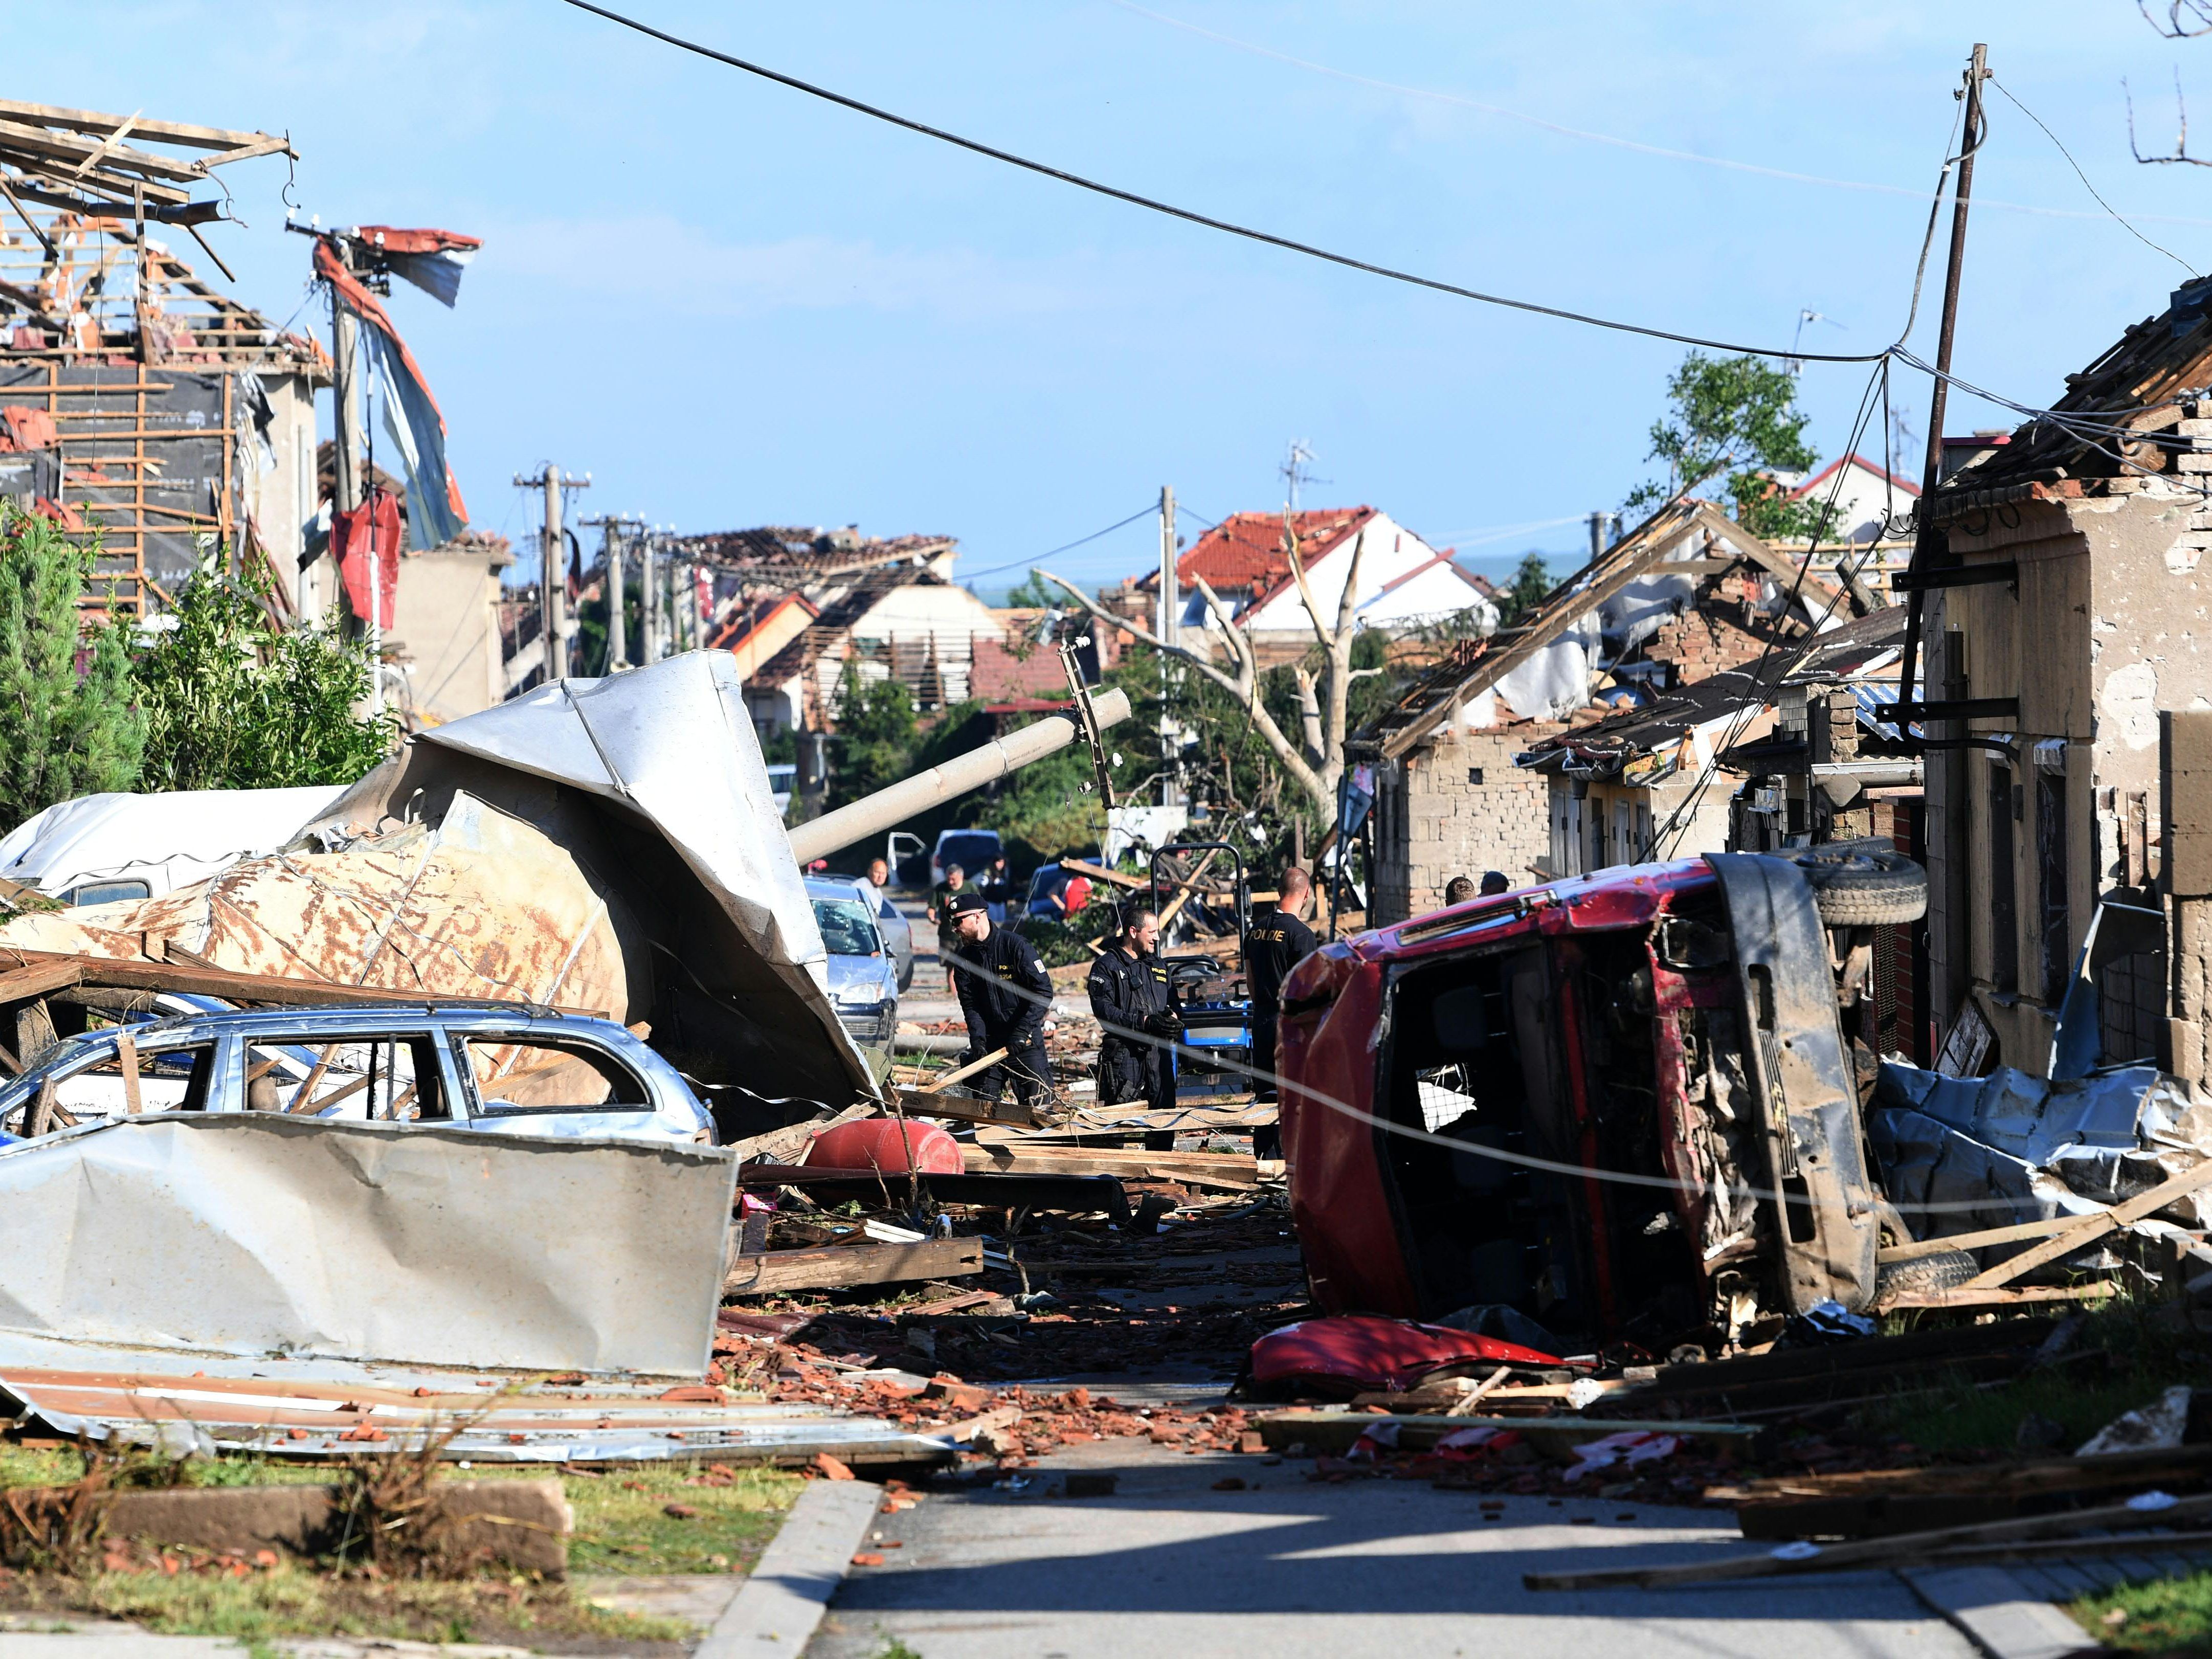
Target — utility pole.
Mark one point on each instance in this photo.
(1170, 632)
(348, 391)
(612, 528)
(552, 574)
(1945, 718)
(648, 599)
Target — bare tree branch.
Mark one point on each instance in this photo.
(1244, 685)
(1310, 714)
(2181, 111)
(2198, 11)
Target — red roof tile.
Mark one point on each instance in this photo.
(1244, 553)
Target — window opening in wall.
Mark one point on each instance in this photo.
(2004, 884)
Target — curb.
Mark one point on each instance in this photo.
(1998, 1614)
(784, 1598)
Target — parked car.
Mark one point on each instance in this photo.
(863, 971)
(898, 933)
(503, 1070)
(1448, 1082)
(973, 850)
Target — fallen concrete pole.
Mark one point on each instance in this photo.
(887, 809)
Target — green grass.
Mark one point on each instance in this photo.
(2127, 1354)
(621, 1528)
(2168, 1615)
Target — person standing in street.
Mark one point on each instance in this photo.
(940, 909)
(1005, 995)
(1132, 1000)
(1276, 943)
(873, 884)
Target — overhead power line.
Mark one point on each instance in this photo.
(1189, 216)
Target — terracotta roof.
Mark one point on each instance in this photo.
(748, 619)
(1244, 553)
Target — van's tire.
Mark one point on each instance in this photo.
(1924, 1275)
(1864, 884)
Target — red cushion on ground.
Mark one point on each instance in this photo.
(1376, 1354)
(874, 1143)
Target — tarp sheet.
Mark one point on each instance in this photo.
(165, 840)
(246, 1234)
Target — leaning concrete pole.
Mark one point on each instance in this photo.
(872, 815)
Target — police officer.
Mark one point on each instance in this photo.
(1004, 993)
(1129, 995)
(1275, 944)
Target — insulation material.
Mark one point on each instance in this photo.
(1633, 615)
(482, 904)
(247, 1234)
(1554, 682)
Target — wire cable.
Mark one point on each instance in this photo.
(2084, 177)
(1146, 511)
(1189, 216)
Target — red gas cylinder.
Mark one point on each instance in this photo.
(875, 1144)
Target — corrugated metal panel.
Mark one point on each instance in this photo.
(328, 1408)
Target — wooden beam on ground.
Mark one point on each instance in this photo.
(1228, 1170)
(1900, 1548)
(961, 1074)
(967, 1109)
(40, 978)
(838, 1267)
(2006, 1295)
(2089, 1229)
(2012, 1235)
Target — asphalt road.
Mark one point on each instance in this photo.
(1289, 1568)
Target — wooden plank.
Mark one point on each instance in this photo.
(1230, 1169)
(126, 1058)
(172, 132)
(2005, 1297)
(1925, 1247)
(125, 974)
(967, 1109)
(2090, 1228)
(1175, 905)
(39, 978)
(1908, 1547)
(837, 1267)
(960, 1075)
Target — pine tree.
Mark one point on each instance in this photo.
(67, 724)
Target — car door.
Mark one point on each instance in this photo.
(530, 1083)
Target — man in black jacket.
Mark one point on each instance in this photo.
(1004, 994)
(1275, 944)
(1131, 998)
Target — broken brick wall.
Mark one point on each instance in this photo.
(1434, 820)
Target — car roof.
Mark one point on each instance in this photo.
(501, 1015)
(843, 887)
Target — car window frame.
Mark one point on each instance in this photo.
(457, 1056)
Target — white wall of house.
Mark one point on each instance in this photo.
(1392, 552)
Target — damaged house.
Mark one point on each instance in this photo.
(136, 403)
(1597, 689)
(2064, 684)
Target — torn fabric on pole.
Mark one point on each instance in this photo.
(435, 512)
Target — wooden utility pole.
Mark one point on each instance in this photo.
(613, 528)
(348, 392)
(648, 599)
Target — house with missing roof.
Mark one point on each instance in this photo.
(1404, 585)
(2066, 630)
(1589, 735)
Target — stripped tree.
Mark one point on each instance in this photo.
(1315, 761)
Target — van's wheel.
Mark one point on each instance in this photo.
(1923, 1276)
(1864, 884)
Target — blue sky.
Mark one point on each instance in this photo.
(734, 305)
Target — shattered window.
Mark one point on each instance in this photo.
(847, 927)
(551, 1077)
(168, 1080)
(384, 1079)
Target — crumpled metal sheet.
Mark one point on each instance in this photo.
(481, 904)
(299, 1407)
(254, 1235)
(668, 750)
(1962, 1154)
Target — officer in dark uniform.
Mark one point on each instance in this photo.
(1004, 994)
(1130, 994)
(1275, 944)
